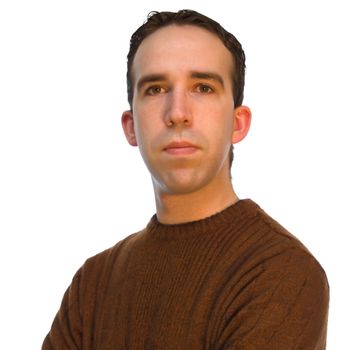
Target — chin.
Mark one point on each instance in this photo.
(180, 189)
(180, 185)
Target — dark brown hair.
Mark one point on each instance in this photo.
(157, 20)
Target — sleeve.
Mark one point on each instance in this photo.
(282, 304)
(66, 331)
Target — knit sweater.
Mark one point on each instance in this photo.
(235, 280)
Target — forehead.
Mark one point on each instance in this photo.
(177, 49)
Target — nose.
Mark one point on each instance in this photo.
(178, 112)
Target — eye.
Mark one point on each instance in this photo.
(203, 88)
(154, 90)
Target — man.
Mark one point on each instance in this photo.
(209, 271)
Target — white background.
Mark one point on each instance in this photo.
(70, 185)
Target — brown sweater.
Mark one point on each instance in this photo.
(236, 280)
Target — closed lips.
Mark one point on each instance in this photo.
(181, 147)
(180, 144)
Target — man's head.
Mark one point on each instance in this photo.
(157, 20)
(182, 91)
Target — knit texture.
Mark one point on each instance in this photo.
(235, 280)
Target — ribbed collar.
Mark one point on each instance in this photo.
(231, 215)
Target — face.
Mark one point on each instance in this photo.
(183, 116)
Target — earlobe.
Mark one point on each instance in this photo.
(241, 123)
(129, 127)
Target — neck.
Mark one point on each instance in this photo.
(181, 208)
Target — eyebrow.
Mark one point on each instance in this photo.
(152, 78)
(208, 76)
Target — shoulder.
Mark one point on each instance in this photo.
(98, 265)
(261, 223)
(278, 253)
(278, 293)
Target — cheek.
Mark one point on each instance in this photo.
(147, 127)
(142, 116)
(218, 120)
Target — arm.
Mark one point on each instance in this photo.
(283, 305)
(65, 331)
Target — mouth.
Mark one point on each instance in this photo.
(180, 148)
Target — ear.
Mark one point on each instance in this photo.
(129, 127)
(241, 123)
